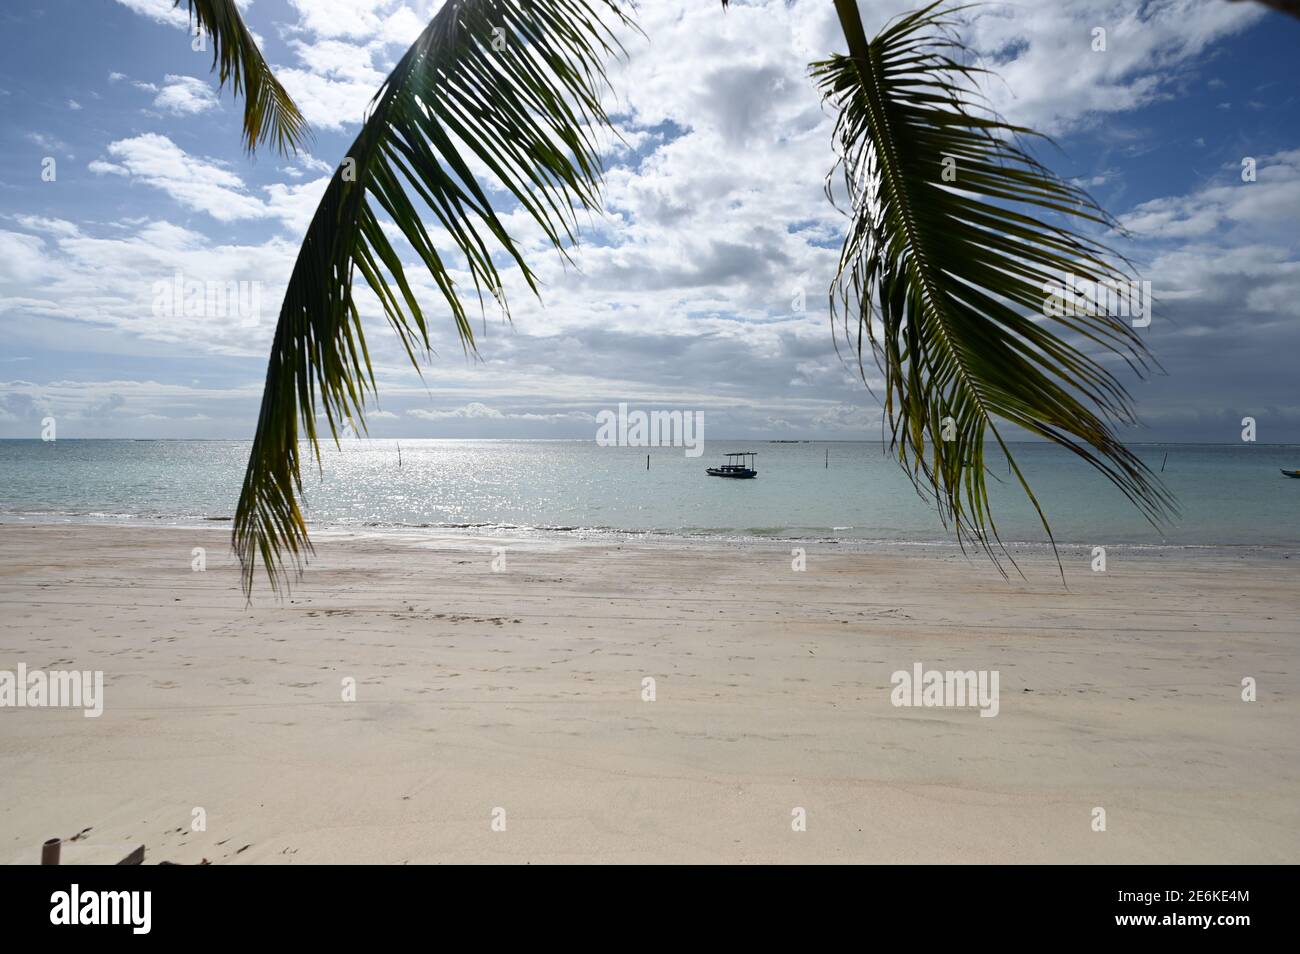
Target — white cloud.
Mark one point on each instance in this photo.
(86, 408)
(344, 18)
(716, 215)
(185, 96)
(46, 141)
(21, 256)
(1050, 76)
(471, 410)
(57, 227)
(337, 45)
(476, 410)
(169, 13)
(113, 278)
(328, 103)
(162, 11)
(102, 168)
(308, 161)
(193, 182)
(206, 185)
(1271, 201)
(295, 203)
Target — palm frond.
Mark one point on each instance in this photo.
(943, 276)
(1291, 7)
(513, 84)
(269, 111)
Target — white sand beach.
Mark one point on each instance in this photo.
(522, 690)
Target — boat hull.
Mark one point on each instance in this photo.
(1291, 473)
(735, 475)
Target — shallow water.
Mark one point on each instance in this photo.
(1230, 495)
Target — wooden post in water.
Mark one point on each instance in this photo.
(828, 458)
(647, 461)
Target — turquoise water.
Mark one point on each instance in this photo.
(1230, 494)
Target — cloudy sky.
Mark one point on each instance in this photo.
(683, 292)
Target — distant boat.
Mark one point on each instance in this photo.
(736, 466)
(1291, 473)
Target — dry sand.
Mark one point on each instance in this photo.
(522, 690)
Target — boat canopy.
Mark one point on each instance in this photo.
(738, 465)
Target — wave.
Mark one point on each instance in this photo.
(765, 536)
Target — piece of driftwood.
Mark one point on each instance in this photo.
(57, 851)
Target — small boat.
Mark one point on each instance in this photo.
(736, 466)
(1291, 473)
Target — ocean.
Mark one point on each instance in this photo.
(1230, 495)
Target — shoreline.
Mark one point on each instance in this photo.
(523, 690)
(670, 538)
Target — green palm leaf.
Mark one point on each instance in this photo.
(944, 280)
(513, 84)
(269, 111)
